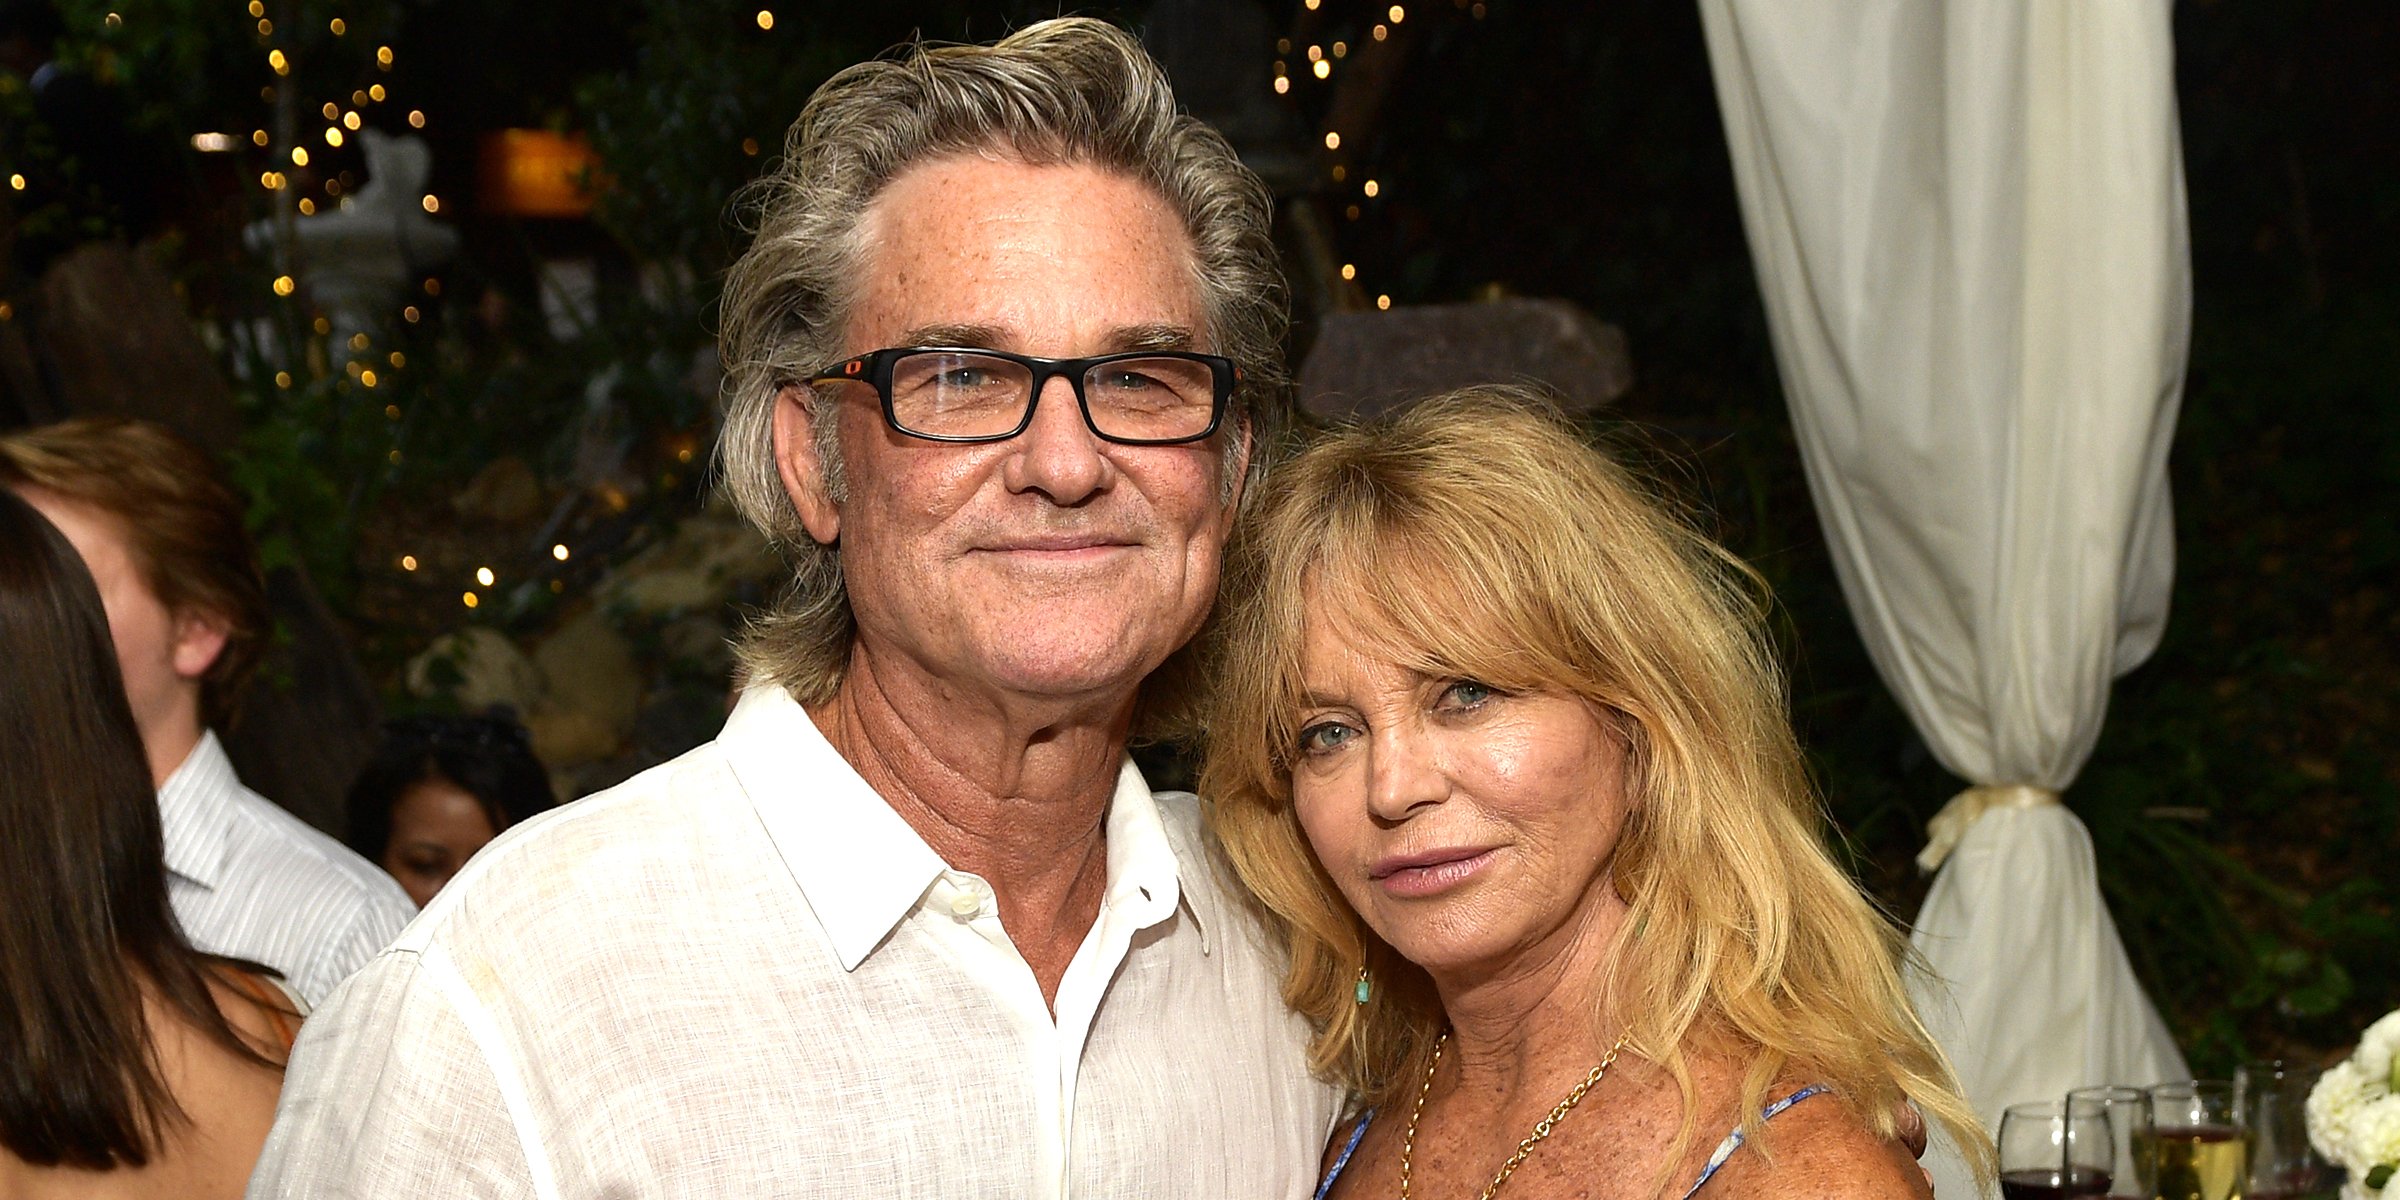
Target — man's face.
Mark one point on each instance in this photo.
(1053, 564)
(162, 655)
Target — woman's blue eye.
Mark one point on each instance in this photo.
(1466, 693)
(1325, 736)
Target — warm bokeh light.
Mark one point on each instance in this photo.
(559, 552)
(284, 285)
(766, 19)
(484, 576)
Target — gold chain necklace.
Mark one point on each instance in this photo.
(1541, 1128)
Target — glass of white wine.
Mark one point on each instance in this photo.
(2202, 1154)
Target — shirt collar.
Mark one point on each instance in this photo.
(860, 866)
(195, 812)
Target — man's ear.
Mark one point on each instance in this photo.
(797, 462)
(200, 637)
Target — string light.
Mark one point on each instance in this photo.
(1398, 14)
(750, 147)
(333, 135)
(1341, 49)
(16, 183)
(359, 341)
(112, 20)
(350, 121)
(391, 412)
(282, 65)
(375, 92)
(410, 314)
(1333, 141)
(284, 285)
(1340, 172)
(1382, 302)
(258, 8)
(1371, 189)
(1282, 85)
(383, 57)
(366, 378)
(258, 137)
(468, 598)
(408, 562)
(331, 110)
(559, 552)
(766, 19)
(1316, 53)
(433, 287)
(431, 203)
(416, 119)
(484, 576)
(1351, 212)
(299, 156)
(338, 26)
(308, 207)
(283, 379)
(398, 360)
(266, 28)
(1382, 32)
(1322, 69)
(322, 326)
(1349, 270)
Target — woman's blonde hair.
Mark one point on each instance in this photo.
(1477, 535)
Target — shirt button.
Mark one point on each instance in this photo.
(966, 904)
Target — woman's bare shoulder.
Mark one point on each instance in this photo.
(1819, 1149)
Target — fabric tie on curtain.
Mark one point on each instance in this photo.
(1952, 823)
(1968, 224)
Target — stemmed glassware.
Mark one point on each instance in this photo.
(2202, 1154)
(2272, 1098)
(2134, 1174)
(2056, 1150)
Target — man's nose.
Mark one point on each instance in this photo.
(1058, 455)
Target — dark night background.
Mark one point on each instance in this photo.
(2244, 801)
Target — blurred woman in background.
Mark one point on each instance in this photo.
(130, 1063)
(1500, 743)
(439, 788)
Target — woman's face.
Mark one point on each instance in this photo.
(1468, 826)
(436, 827)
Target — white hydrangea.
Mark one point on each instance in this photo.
(2353, 1113)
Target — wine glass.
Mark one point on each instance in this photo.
(2202, 1154)
(2272, 1098)
(2134, 1174)
(2055, 1150)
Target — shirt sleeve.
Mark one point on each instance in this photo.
(390, 1094)
(381, 913)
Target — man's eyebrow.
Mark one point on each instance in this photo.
(986, 337)
(1151, 337)
(1121, 340)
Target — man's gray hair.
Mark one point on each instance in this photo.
(1072, 90)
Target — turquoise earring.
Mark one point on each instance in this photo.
(1365, 989)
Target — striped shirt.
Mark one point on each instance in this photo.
(250, 880)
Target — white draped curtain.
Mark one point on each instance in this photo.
(1968, 223)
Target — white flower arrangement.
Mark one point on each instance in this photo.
(2354, 1111)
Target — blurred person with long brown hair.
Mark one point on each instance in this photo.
(130, 1063)
(163, 538)
(1500, 743)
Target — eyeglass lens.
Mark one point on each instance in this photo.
(955, 394)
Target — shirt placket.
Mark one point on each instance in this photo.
(966, 902)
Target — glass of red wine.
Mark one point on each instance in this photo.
(2056, 1150)
(2272, 1098)
(2202, 1153)
(2134, 1174)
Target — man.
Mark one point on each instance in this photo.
(163, 539)
(913, 924)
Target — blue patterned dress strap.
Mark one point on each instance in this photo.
(1348, 1148)
(1733, 1141)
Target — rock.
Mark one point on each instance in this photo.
(697, 568)
(564, 739)
(476, 668)
(591, 673)
(1367, 363)
(505, 491)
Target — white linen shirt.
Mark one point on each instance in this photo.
(248, 879)
(742, 974)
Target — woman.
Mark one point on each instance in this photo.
(1500, 745)
(437, 790)
(130, 1064)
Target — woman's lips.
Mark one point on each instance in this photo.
(1429, 872)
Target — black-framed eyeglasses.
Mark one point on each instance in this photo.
(965, 394)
